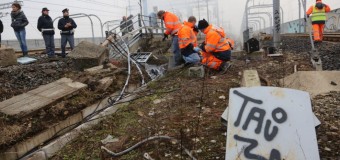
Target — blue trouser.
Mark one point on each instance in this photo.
(193, 58)
(224, 55)
(49, 44)
(64, 40)
(176, 51)
(21, 36)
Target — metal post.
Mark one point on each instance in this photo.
(198, 9)
(277, 24)
(264, 21)
(247, 25)
(258, 22)
(218, 14)
(208, 10)
(140, 22)
(299, 15)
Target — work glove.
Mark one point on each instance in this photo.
(165, 37)
(202, 46)
(196, 49)
(196, 29)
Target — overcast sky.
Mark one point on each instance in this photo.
(231, 11)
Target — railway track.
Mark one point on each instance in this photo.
(331, 37)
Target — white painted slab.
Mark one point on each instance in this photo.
(296, 137)
(26, 60)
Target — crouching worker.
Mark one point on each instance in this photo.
(216, 49)
(187, 40)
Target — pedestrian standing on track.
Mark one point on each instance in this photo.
(45, 26)
(318, 12)
(19, 22)
(1, 30)
(67, 26)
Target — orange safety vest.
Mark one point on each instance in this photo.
(186, 35)
(172, 23)
(215, 40)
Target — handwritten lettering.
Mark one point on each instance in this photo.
(257, 115)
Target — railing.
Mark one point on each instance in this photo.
(131, 31)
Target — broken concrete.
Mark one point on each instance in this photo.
(196, 72)
(87, 55)
(97, 70)
(250, 78)
(104, 84)
(314, 82)
(7, 57)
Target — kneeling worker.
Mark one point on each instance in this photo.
(187, 41)
(216, 48)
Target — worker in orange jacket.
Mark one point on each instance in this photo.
(172, 25)
(187, 41)
(319, 18)
(216, 48)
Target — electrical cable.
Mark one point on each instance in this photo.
(142, 142)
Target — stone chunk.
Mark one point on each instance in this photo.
(250, 78)
(7, 57)
(87, 55)
(196, 72)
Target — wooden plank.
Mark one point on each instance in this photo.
(13, 100)
(27, 106)
(36, 99)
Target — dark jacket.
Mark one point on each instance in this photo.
(1, 27)
(61, 25)
(45, 22)
(19, 20)
(130, 23)
(123, 26)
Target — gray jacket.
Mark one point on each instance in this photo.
(19, 20)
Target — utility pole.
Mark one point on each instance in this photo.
(208, 10)
(129, 7)
(277, 24)
(299, 1)
(198, 9)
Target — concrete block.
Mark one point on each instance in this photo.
(36, 156)
(250, 78)
(97, 70)
(104, 84)
(257, 55)
(24, 147)
(58, 144)
(10, 154)
(87, 55)
(7, 57)
(238, 54)
(196, 72)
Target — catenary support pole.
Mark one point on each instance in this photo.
(277, 24)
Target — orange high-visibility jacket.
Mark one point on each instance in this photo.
(172, 23)
(186, 35)
(231, 43)
(215, 40)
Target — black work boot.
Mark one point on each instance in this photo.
(24, 54)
